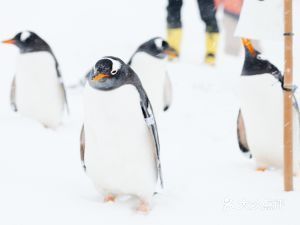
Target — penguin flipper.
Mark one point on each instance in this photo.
(151, 123)
(65, 96)
(167, 93)
(82, 147)
(241, 135)
(296, 108)
(13, 104)
(62, 85)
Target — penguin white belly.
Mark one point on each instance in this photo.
(119, 151)
(152, 73)
(38, 92)
(262, 109)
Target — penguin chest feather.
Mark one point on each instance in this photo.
(152, 73)
(119, 151)
(38, 91)
(262, 109)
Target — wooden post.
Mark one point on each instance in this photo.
(288, 100)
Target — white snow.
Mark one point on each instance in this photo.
(207, 180)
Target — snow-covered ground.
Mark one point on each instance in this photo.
(207, 180)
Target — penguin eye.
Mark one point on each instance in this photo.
(113, 72)
(165, 44)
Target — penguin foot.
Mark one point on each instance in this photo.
(261, 169)
(143, 207)
(110, 198)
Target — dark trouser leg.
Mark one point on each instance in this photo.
(208, 15)
(174, 13)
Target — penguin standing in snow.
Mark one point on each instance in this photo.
(119, 140)
(37, 89)
(260, 120)
(149, 62)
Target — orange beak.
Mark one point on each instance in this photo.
(100, 76)
(11, 41)
(171, 52)
(247, 43)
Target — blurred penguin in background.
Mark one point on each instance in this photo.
(37, 89)
(208, 16)
(149, 62)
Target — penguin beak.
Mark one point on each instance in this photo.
(171, 52)
(11, 41)
(100, 76)
(248, 46)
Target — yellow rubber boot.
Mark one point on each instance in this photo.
(212, 40)
(174, 39)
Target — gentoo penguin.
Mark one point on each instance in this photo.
(260, 120)
(37, 89)
(119, 140)
(149, 62)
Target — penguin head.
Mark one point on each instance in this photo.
(108, 73)
(158, 48)
(28, 41)
(255, 63)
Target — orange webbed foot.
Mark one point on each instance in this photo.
(261, 169)
(143, 207)
(110, 198)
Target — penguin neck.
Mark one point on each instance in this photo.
(131, 58)
(39, 47)
(136, 82)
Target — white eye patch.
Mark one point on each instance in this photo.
(25, 35)
(158, 42)
(261, 57)
(116, 65)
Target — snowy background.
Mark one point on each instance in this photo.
(207, 179)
